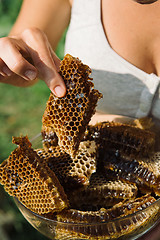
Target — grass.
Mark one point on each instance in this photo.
(5, 25)
(21, 111)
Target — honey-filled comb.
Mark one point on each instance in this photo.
(145, 172)
(69, 116)
(120, 136)
(28, 178)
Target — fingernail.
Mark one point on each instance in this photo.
(59, 92)
(30, 74)
(7, 71)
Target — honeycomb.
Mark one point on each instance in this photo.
(130, 139)
(72, 172)
(27, 177)
(110, 229)
(69, 116)
(101, 192)
(143, 172)
(152, 175)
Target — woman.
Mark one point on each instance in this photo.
(118, 39)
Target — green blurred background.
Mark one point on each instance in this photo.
(21, 111)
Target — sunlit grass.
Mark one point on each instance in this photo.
(21, 111)
(5, 26)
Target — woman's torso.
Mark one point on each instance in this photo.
(119, 41)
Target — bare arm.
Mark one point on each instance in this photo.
(27, 53)
(51, 16)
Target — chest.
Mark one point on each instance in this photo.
(133, 31)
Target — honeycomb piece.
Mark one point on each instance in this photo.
(108, 229)
(152, 175)
(132, 140)
(72, 172)
(101, 192)
(142, 172)
(68, 116)
(27, 177)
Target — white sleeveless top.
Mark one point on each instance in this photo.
(126, 89)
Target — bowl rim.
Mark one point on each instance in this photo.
(89, 224)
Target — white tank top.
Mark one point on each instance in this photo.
(126, 89)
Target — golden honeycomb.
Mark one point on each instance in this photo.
(69, 116)
(72, 172)
(101, 192)
(121, 136)
(111, 229)
(27, 177)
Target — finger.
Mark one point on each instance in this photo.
(4, 70)
(57, 61)
(43, 60)
(10, 54)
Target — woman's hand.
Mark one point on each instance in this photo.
(29, 56)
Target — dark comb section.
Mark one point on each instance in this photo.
(119, 136)
(133, 170)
